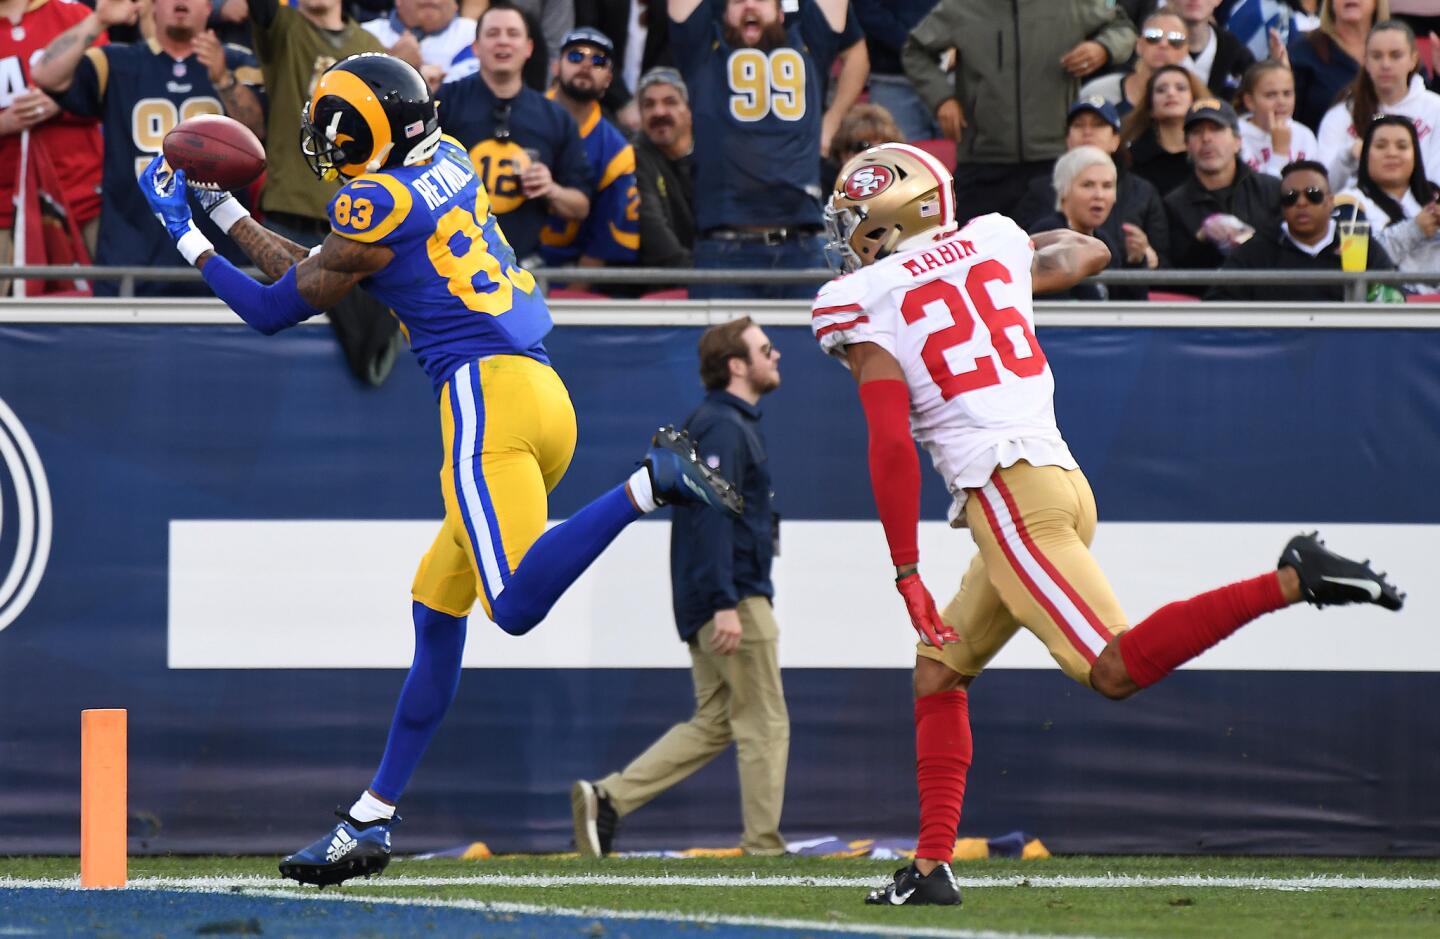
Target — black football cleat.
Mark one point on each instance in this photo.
(909, 888)
(677, 475)
(595, 819)
(1327, 579)
(351, 849)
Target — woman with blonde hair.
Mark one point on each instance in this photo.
(1084, 180)
(1155, 130)
(1325, 60)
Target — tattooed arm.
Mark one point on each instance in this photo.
(302, 290)
(55, 69)
(274, 254)
(341, 264)
(240, 100)
(1063, 258)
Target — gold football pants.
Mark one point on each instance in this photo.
(1033, 525)
(508, 430)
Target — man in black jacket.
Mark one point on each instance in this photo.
(1307, 240)
(720, 578)
(663, 170)
(1225, 202)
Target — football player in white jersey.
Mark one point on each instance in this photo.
(936, 324)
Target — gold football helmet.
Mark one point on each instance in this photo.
(887, 195)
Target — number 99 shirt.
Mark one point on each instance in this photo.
(757, 118)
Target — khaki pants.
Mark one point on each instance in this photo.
(737, 697)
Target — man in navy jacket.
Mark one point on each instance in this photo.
(720, 577)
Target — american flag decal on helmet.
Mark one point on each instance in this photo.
(414, 130)
(930, 208)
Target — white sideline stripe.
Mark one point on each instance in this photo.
(337, 595)
(1106, 881)
(224, 886)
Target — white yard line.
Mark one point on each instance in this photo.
(1116, 881)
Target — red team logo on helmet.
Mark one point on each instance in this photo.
(868, 181)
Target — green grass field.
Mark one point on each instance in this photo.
(1173, 897)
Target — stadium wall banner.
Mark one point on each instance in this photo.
(217, 531)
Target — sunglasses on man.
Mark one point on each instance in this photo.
(1157, 36)
(597, 59)
(1313, 195)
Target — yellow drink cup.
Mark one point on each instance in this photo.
(1354, 245)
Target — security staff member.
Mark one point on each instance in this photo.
(720, 577)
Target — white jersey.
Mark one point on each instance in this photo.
(1337, 134)
(957, 316)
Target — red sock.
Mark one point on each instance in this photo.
(942, 757)
(1179, 631)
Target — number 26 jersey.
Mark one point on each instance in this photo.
(453, 282)
(957, 315)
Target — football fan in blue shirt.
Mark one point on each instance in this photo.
(611, 233)
(526, 149)
(755, 89)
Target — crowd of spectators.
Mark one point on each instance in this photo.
(705, 133)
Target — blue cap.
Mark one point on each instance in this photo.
(1095, 104)
(585, 36)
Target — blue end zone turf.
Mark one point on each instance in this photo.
(34, 911)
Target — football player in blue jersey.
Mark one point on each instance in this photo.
(414, 224)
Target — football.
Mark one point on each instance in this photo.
(215, 151)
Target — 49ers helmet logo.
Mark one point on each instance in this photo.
(868, 181)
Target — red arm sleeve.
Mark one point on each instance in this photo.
(894, 467)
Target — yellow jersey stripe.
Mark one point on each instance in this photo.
(623, 162)
(102, 67)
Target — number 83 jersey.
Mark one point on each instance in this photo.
(957, 316)
(453, 283)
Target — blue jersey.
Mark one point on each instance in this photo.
(453, 281)
(140, 93)
(757, 118)
(611, 232)
(502, 136)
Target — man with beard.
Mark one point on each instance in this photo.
(756, 80)
(610, 234)
(663, 170)
(526, 149)
(720, 580)
(140, 91)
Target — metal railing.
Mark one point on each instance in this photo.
(1357, 284)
